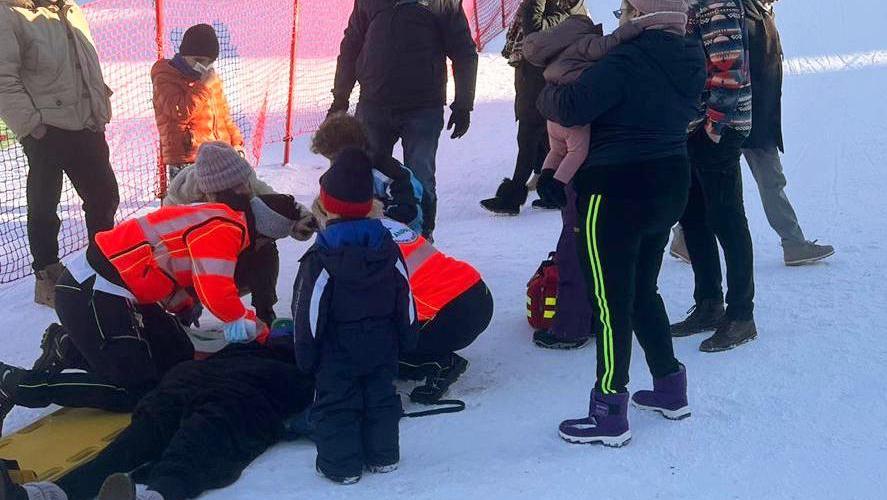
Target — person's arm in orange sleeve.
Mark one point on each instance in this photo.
(214, 249)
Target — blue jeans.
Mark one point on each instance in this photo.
(419, 131)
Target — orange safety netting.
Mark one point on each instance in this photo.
(258, 52)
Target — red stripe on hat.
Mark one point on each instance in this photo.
(343, 208)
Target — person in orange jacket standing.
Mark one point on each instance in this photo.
(189, 100)
(123, 303)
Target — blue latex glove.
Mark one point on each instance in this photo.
(238, 331)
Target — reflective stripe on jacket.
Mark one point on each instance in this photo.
(163, 255)
(435, 278)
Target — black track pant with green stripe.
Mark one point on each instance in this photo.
(626, 212)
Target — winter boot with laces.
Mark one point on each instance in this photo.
(807, 252)
(46, 278)
(10, 378)
(547, 340)
(703, 317)
(509, 198)
(668, 397)
(607, 422)
(731, 334)
(443, 375)
(57, 352)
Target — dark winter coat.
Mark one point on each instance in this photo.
(765, 54)
(397, 50)
(538, 15)
(639, 99)
(352, 286)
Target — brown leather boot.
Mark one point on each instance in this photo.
(44, 291)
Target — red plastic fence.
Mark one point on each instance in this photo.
(277, 62)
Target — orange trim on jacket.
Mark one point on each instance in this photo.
(164, 254)
(189, 113)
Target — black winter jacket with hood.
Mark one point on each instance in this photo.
(352, 288)
(639, 99)
(397, 50)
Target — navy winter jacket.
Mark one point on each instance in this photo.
(353, 277)
(639, 99)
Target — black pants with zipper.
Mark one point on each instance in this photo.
(84, 157)
(626, 213)
(124, 350)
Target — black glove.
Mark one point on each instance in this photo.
(191, 316)
(405, 214)
(338, 106)
(460, 120)
(551, 189)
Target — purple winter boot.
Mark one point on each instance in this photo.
(668, 397)
(607, 422)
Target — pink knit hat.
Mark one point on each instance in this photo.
(653, 6)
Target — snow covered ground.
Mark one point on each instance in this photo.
(799, 413)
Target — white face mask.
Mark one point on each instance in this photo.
(201, 68)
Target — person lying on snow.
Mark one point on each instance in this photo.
(394, 185)
(353, 313)
(453, 304)
(190, 107)
(116, 302)
(199, 429)
(218, 168)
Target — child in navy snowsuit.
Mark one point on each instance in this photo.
(353, 312)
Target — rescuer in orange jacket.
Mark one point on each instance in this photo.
(123, 303)
(453, 304)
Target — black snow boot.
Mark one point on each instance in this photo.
(547, 340)
(10, 378)
(509, 198)
(704, 317)
(58, 352)
(544, 204)
(444, 374)
(732, 333)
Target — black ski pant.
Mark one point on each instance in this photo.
(456, 326)
(532, 130)
(257, 271)
(83, 156)
(419, 132)
(203, 425)
(716, 213)
(357, 411)
(124, 349)
(626, 214)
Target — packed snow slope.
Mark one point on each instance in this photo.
(799, 413)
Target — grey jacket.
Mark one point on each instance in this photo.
(49, 68)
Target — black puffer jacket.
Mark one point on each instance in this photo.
(765, 61)
(397, 50)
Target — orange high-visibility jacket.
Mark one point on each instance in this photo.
(436, 279)
(162, 255)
